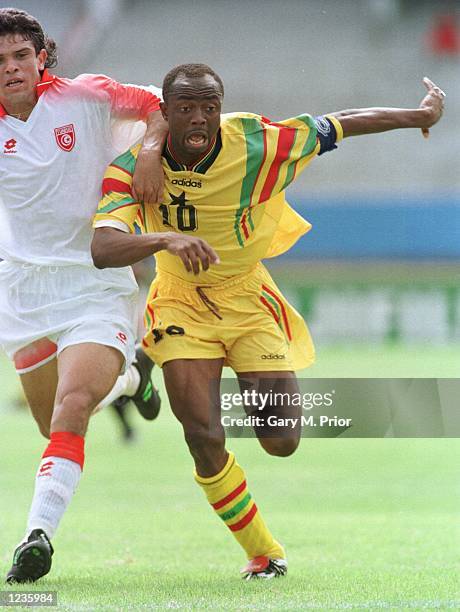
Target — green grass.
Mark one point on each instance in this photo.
(368, 524)
(387, 361)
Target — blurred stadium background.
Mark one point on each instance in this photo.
(378, 275)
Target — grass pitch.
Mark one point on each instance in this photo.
(368, 524)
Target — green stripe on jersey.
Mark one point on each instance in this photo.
(126, 160)
(255, 147)
(114, 205)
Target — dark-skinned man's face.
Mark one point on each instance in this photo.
(193, 114)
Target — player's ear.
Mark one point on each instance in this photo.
(164, 110)
(41, 57)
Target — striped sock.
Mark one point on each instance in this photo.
(228, 494)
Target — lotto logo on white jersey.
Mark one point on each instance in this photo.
(122, 337)
(65, 136)
(9, 146)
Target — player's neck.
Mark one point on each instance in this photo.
(184, 158)
(21, 110)
(189, 159)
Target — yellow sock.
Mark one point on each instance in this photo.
(228, 494)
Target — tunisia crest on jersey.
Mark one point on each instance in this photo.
(65, 137)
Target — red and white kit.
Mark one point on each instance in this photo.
(51, 168)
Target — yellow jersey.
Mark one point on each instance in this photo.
(233, 197)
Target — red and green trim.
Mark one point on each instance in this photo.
(256, 152)
(202, 166)
(111, 184)
(237, 508)
(210, 157)
(125, 162)
(245, 520)
(228, 498)
(149, 313)
(286, 139)
(278, 310)
(308, 148)
(111, 206)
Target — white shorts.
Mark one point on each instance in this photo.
(67, 304)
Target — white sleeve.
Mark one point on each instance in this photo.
(115, 223)
(127, 133)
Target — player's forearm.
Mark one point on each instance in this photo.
(112, 248)
(356, 122)
(155, 134)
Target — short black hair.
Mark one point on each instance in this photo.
(189, 70)
(15, 21)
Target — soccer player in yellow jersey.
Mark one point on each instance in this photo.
(212, 301)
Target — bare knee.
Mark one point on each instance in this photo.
(207, 449)
(279, 447)
(72, 411)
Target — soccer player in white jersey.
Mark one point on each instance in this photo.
(68, 327)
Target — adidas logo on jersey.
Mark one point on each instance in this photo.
(186, 183)
(273, 356)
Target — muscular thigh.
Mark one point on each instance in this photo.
(86, 373)
(90, 368)
(193, 387)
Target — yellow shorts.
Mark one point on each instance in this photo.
(245, 320)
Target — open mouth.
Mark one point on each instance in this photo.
(14, 84)
(197, 139)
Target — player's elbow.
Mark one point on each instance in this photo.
(98, 253)
(99, 262)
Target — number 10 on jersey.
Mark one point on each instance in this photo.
(186, 215)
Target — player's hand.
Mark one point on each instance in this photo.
(148, 179)
(193, 251)
(433, 104)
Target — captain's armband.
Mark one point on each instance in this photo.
(329, 132)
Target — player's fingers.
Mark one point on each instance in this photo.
(195, 261)
(433, 88)
(213, 256)
(185, 260)
(428, 83)
(149, 196)
(154, 196)
(426, 132)
(204, 258)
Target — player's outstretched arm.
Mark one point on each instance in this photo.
(361, 121)
(113, 248)
(148, 179)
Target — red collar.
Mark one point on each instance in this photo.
(46, 81)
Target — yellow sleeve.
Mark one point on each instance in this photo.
(117, 201)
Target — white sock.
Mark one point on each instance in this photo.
(126, 384)
(55, 484)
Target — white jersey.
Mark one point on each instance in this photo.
(51, 166)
